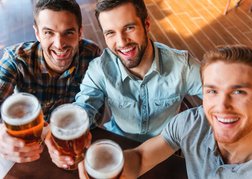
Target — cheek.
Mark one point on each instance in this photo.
(111, 44)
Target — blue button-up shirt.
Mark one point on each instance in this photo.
(140, 108)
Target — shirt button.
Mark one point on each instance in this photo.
(120, 106)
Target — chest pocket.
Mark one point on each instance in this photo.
(161, 105)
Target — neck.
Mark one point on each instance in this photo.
(146, 62)
(238, 152)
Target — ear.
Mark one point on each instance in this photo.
(36, 32)
(147, 24)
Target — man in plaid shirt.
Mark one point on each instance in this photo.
(51, 68)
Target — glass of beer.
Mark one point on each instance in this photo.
(23, 117)
(104, 159)
(69, 126)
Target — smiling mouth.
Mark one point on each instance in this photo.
(227, 120)
(129, 51)
(61, 54)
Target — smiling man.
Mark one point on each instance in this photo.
(216, 138)
(51, 68)
(143, 81)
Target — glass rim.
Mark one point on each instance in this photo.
(55, 127)
(11, 100)
(109, 142)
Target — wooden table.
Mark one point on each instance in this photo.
(172, 168)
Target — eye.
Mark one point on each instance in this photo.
(210, 91)
(239, 92)
(47, 33)
(109, 34)
(69, 33)
(130, 28)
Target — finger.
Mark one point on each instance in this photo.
(9, 141)
(89, 139)
(20, 158)
(81, 170)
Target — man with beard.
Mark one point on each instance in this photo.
(51, 68)
(143, 82)
(216, 138)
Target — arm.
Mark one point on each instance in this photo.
(8, 76)
(92, 96)
(12, 148)
(143, 158)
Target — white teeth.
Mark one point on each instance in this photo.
(60, 52)
(227, 120)
(126, 50)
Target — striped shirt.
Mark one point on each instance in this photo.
(24, 69)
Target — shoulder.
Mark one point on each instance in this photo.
(21, 52)
(89, 48)
(188, 120)
(176, 56)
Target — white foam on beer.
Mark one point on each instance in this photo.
(104, 161)
(20, 109)
(69, 122)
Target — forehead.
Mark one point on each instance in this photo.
(220, 73)
(48, 17)
(118, 16)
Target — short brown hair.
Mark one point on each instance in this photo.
(59, 5)
(106, 5)
(227, 54)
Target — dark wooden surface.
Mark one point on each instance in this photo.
(172, 168)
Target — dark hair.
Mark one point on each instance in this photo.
(105, 5)
(59, 5)
(227, 54)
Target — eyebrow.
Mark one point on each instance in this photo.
(70, 29)
(242, 85)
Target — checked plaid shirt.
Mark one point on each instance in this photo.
(23, 69)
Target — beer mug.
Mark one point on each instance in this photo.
(104, 159)
(23, 117)
(69, 127)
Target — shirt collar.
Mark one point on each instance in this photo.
(211, 142)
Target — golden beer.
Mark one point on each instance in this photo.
(104, 159)
(23, 117)
(69, 126)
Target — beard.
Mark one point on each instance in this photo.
(134, 62)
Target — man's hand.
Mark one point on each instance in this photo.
(61, 160)
(15, 149)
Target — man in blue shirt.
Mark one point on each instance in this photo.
(143, 82)
(215, 139)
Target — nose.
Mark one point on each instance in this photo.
(224, 102)
(59, 41)
(121, 40)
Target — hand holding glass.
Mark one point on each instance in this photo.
(69, 126)
(23, 117)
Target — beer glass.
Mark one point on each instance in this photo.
(104, 159)
(23, 117)
(69, 126)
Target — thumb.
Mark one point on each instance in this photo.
(82, 171)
